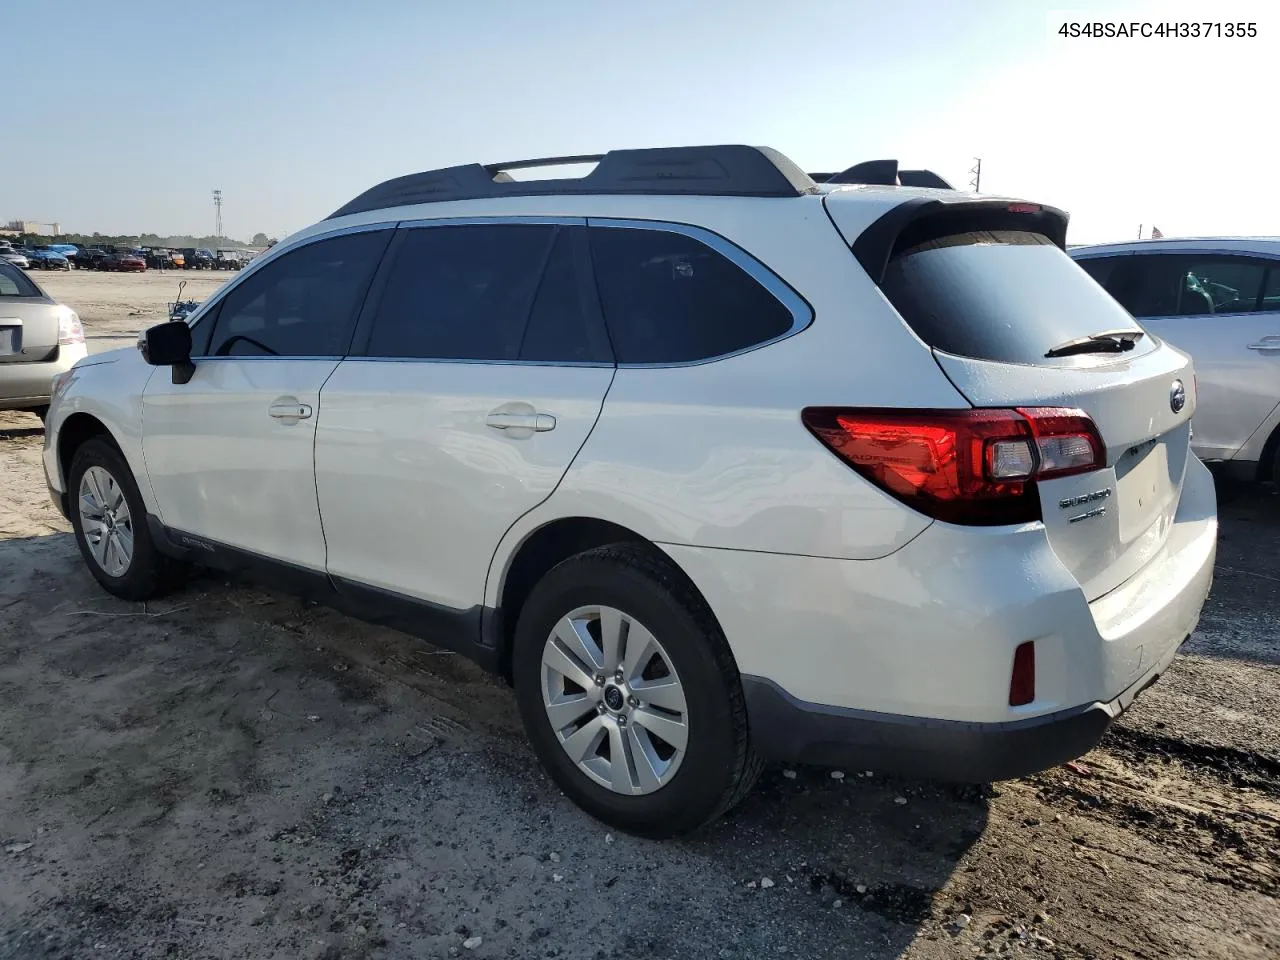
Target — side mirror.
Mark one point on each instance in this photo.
(169, 345)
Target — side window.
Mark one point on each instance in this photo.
(302, 305)
(1148, 285)
(669, 298)
(460, 292)
(563, 327)
(1271, 289)
(1102, 269)
(1221, 285)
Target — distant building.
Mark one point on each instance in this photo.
(32, 226)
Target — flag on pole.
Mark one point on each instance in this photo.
(1155, 233)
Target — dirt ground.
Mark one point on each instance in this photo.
(115, 307)
(234, 773)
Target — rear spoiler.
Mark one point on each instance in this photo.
(883, 173)
(919, 220)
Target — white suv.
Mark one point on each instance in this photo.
(714, 463)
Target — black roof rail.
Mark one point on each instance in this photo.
(710, 171)
(884, 173)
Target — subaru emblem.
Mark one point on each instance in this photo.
(1177, 397)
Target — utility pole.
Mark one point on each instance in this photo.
(217, 214)
(1139, 231)
(976, 174)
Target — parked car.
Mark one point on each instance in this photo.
(229, 260)
(868, 477)
(39, 339)
(13, 256)
(124, 263)
(198, 258)
(94, 258)
(46, 259)
(1217, 299)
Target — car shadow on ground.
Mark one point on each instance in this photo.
(228, 771)
(19, 433)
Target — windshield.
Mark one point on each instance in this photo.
(14, 283)
(1007, 296)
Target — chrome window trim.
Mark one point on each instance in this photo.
(490, 363)
(279, 250)
(532, 219)
(801, 311)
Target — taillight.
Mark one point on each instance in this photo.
(976, 467)
(69, 329)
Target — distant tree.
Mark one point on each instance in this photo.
(260, 240)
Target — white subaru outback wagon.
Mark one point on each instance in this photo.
(714, 462)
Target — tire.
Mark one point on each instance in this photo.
(147, 572)
(717, 767)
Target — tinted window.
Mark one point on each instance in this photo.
(14, 283)
(302, 305)
(1100, 268)
(1221, 285)
(1271, 292)
(1149, 285)
(669, 298)
(1007, 296)
(460, 293)
(562, 327)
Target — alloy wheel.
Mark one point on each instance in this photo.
(614, 700)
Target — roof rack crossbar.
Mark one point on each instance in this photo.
(544, 162)
(714, 171)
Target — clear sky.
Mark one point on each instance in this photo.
(123, 116)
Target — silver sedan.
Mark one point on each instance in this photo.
(39, 338)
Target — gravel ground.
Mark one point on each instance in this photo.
(234, 773)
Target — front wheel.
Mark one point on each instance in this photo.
(110, 524)
(630, 695)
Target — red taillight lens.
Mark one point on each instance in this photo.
(1022, 682)
(975, 467)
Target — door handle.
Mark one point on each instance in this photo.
(533, 422)
(290, 409)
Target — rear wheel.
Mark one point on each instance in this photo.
(630, 695)
(110, 524)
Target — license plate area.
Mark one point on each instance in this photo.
(1144, 487)
(10, 338)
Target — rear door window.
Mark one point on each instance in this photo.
(1006, 296)
(670, 298)
(460, 292)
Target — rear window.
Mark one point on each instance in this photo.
(14, 283)
(1007, 296)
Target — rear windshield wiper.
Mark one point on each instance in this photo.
(1108, 341)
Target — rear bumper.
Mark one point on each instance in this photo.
(786, 729)
(904, 662)
(27, 385)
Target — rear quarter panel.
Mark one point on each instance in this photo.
(716, 455)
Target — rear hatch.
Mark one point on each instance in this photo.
(28, 320)
(1014, 322)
